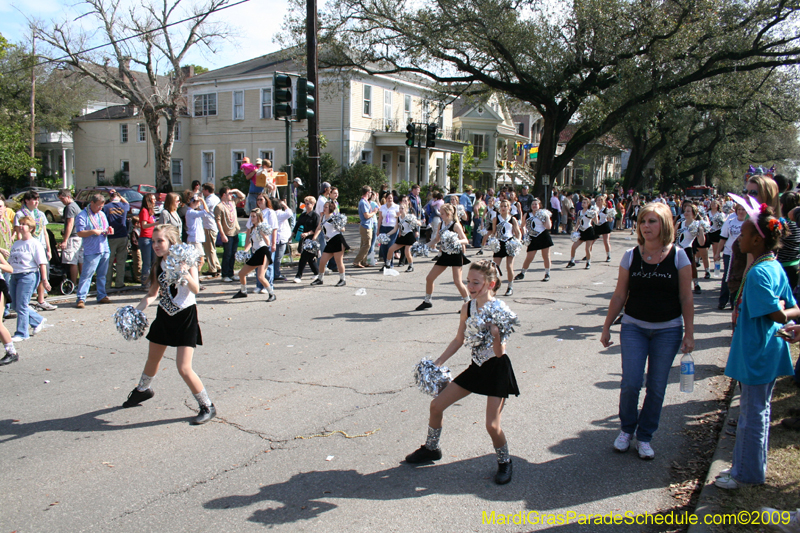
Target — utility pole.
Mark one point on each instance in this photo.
(312, 75)
(33, 97)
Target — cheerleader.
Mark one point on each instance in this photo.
(538, 226)
(407, 237)
(260, 241)
(334, 245)
(456, 261)
(505, 227)
(587, 219)
(490, 374)
(516, 207)
(605, 218)
(305, 227)
(717, 219)
(175, 325)
(685, 238)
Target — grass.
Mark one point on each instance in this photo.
(782, 488)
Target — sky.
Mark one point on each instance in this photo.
(254, 25)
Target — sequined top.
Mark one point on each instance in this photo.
(173, 298)
(484, 352)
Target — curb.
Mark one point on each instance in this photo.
(709, 495)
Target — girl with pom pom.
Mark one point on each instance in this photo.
(587, 219)
(538, 225)
(490, 374)
(687, 231)
(407, 237)
(334, 245)
(758, 355)
(604, 221)
(447, 258)
(505, 227)
(176, 325)
(305, 227)
(259, 238)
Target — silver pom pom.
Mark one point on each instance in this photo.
(241, 256)
(419, 249)
(177, 264)
(526, 240)
(513, 247)
(460, 212)
(311, 246)
(383, 239)
(431, 379)
(412, 221)
(131, 322)
(450, 243)
(478, 334)
(729, 207)
(493, 244)
(705, 225)
(694, 228)
(576, 236)
(482, 232)
(718, 220)
(611, 213)
(543, 215)
(339, 221)
(265, 227)
(592, 212)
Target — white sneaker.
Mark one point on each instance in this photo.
(622, 442)
(235, 277)
(227, 280)
(263, 291)
(314, 278)
(17, 338)
(46, 306)
(298, 280)
(793, 526)
(255, 290)
(40, 327)
(727, 482)
(645, 450)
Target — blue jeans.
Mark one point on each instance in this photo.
(725, 293)
(146, 248)
(372, 242)
(384, 249)
(477, 224)
(229, 256)
(9, 306)
(752, 434)
(22, 287)
(277, 257)
(91, 264)
(639, 345)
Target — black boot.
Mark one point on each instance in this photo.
(423, 455)
(138, 396)
(9, 358)
(503, 475)
(205, 414)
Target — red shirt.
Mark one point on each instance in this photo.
(146, 218)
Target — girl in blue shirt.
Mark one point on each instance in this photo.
(757, 355)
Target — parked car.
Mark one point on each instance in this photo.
(240, 212)
(49, 203)
(83, 197)
(160, 196)
(458, 194)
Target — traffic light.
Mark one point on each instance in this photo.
(430, 139)
(305, 99)
(282, 95)
(411, 131)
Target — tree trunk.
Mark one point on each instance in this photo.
(163, 152)
(546, 155)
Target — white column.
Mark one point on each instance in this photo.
(425, 168)
(64, 167)
(408, 163)
(461, 173)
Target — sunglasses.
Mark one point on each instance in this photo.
(751, 193)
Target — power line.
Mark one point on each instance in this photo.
(134, 36)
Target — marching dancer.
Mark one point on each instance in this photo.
(334, 245)
(717, 219)
(260, 241)
(604, 221)
(305, 227)
(505, 227)
(538, 226)
(687, 233)
(587, 219)
(175, 325)
(454, 260)
(407, 237)
(490, 374)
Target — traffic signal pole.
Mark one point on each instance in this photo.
(290, 166)
(312, 74)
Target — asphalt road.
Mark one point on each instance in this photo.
(320, 360)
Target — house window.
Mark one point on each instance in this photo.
(238, 105)
(426, 111)
(266, 103)
(407, 108)
(478, 144)
(207, 166)
(520, 129)
(237, 156)
(387, 107)
(125, 166)
(101, 175)
(178, 131)
(177, 172)
(205, 105)
(266, 154)
(366, 157)
(367, 100)
(123, 133)
(141, 132)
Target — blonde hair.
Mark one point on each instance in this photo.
(28, 221)
(310, 200)
(449, 209)
(173, 236)
(768, 190)
(664, 214)
(488, 268)
(258, 213)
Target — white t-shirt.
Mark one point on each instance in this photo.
(389, 215)
(26, 256)
(320, 205)
(210, 223)
(731, 230)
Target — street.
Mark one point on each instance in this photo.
(317, 409)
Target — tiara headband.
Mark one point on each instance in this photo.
(752, 207)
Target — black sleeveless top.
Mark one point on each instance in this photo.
(653, 290)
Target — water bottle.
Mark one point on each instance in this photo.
(687, 373)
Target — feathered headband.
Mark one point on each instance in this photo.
(752, 207)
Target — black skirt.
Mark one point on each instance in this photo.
(406, 240)
(4, 291)
(335, 244)
(714, 236)
(503, 252)
(452, 260)
(602, 229)
(181, 329)
(495, 378)
(540, 242)
(257, 259)
(588, 234)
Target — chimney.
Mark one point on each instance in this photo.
(187, 71)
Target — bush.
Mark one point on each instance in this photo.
(351, 179)
(403, 188)
(237, 181)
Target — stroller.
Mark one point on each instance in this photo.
(59, 272)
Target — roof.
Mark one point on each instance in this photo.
(258, 66)
(110, 113)
(607, 140)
